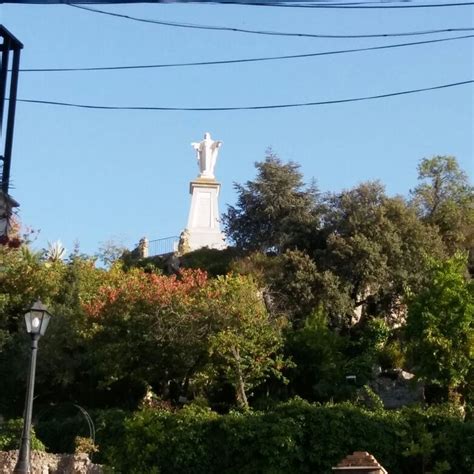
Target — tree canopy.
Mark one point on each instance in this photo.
(318, 288)
(445, 198)
(273, 209)
(440, 325)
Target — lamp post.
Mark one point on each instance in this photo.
(36, 319)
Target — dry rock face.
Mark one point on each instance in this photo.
(397, 388)
(47, 463)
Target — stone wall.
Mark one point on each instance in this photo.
(47, 463)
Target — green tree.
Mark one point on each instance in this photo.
(274, 210)
(24, 278)
(376, 245)
(298, 287)
(318, 354)
(246, 349)
(445, 198)
(440, 326)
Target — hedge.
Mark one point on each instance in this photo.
(295, 437)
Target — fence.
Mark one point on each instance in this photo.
(163, 246)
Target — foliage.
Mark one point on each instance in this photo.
(391, 355)
(376, 245)
(59, 428)
(214, 262)
(23, 279)
(110, 252)
(368, 398)
(295, 437)
(440, 326)
(318, 354)
(245, 349)
(272, 210)
(316, 290)
(85, 445)
(355, 250)
(300, 287)
(445, 199)
(10, 433)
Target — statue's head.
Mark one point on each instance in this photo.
(207, 136)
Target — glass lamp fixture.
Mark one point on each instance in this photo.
(37, 319)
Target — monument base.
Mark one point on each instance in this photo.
(203, 229)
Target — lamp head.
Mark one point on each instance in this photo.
(37, 319)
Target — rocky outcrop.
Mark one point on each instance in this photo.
(47, 463)
(397, 388)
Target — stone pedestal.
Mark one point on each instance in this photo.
(203, 229)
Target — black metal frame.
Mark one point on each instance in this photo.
(10, 45)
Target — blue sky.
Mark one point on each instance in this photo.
(92, 176)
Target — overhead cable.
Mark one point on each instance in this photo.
(354, 6)
(380, 4)
(270, 33)
(243, 60)
(252, 107)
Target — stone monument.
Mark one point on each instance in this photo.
(203, 229)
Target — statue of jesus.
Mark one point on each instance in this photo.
(206, 154)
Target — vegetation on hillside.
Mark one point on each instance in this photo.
(317, 287)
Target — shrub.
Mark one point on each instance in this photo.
(391, 356)
(214, 262)
(10, 434)
(85, 445)
(67, 431)
(295, 437)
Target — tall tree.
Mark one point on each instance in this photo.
(245, 350)
(274, 209)
(298, 288)
(445, 198)
(440, 326)
(376, 244)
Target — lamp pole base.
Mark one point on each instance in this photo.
(22, 466)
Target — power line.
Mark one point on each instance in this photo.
(254, 107)
(380, 4)
(375, 4)
(354, 6)
(262, 32)
(244, 60)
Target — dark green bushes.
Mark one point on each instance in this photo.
(295, 437)
(10, 433)
(59, 428)
(214, 262)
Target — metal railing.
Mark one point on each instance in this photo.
(163, 246)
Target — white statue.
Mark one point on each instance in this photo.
(206, 154)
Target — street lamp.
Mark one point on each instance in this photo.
(36, 319)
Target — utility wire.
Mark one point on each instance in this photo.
(244, 60)
(262, 32)
(254, 107)
(382, 4)
(356, 6)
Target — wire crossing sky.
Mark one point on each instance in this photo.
(270, 33)
(350, 106)
(247, 60)
(374, 4)
(250, 107)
